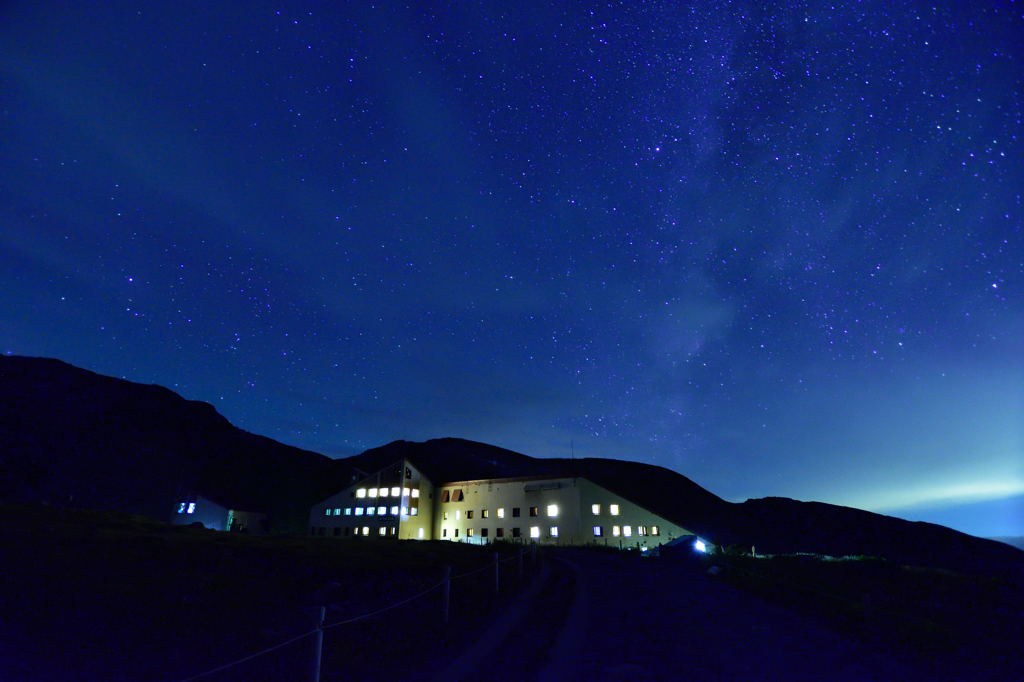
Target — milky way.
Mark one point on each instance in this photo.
(778, 250)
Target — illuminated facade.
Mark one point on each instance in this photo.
(400, 502)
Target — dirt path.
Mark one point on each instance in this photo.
(614, 617)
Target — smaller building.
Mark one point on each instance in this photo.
(216, 516)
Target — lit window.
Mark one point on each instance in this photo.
(552, 510)
(361, 492)
(458, 514)
(394, 511)
(405, 492)
(627, 531)
(383, 492)
(613, 509)
(366, 530)
(383, 530)
(359, 511)
(641, 530)
(469, 532)
(484, 513)
(348, 511)
(534, 531)
(414, 511)
(327, 512)
(372, 492)
(598, 531)
(415, 493)
(191, 508)
(370, 511)
(337, 511)
(554, 531)
(393, 529)
(381, 511)
(534, 511)
(405, 510)
(655, 530)
(595, 509)
(469, 514)
(501, 512)
(396, 492)
(445, 515)
(615, 531)
(181, 507)
(419, 534)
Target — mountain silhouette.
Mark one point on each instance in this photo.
(71, 437)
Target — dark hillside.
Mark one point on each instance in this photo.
(75, 438)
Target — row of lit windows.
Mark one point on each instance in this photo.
(627, 531)
(371, 511)
(499, 532)
(365, 531)
(384, 492)
(552, 511)
(613, 509)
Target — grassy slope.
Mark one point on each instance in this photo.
(98, 595)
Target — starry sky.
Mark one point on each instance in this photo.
(778, 249)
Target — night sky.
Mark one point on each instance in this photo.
(777, 250)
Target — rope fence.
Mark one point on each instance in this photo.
(321, 627)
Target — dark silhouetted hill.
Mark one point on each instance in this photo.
(75, 438)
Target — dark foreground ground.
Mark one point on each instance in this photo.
(89, 596)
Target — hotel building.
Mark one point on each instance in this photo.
(399, 501)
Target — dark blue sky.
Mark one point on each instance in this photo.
(777, 250)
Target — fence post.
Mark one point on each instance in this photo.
(497, 585)
(446, 593)
(318, 645)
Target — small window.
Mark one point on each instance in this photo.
(534, 511)
(595, 509)
(616, 532)
(370, 511)
(516, 533)
(501, 512)
(484, 514)
(337, 530)
(396, 492)
(483, 532)
(469, 532)
(444, 532)
(328, 512)
(383, 531)
(446, 495)
(534, 531)
(458, 496)
(348, 511)
(552, 510)
(381, 511)
(337, 511)
(641, 530)
(444, 515)
(515, 512)
(394, 511)
(419, 534)
(553, 532)
(458, 515)
(181, 507)
(415, 493)
(372, 492)
(348, 531)
(500, 532)
(366, 530)
(191, 508)
(655, 530)
(361, 492)
(359, 511)
(613, 509)
(414, 511)
(469, 514)
(598, 531)
(627, 531)
(405, 492)
(456, 532)
(394, 529)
